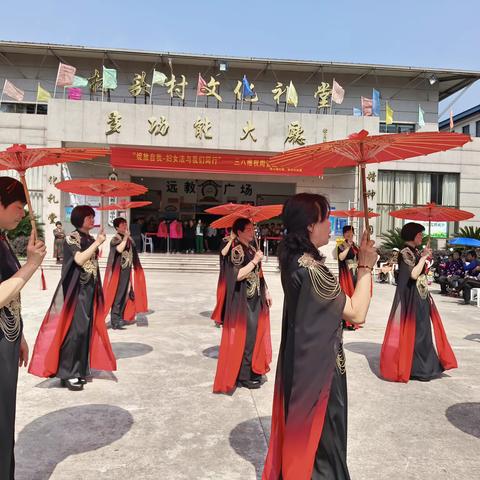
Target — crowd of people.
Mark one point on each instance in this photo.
(309, 414)
(458, 274)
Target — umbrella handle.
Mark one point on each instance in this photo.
(29, 203)
(365, 198)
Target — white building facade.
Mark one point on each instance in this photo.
(185, 135)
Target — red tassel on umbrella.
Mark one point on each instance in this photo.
(44, 282)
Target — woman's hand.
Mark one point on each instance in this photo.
(101, 237)
(268, 298)
(258, 257)
(427, 252)
(36, 251)
(23, 358)
(367, 253)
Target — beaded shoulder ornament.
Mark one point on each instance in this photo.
(324, 282)
(408, 257)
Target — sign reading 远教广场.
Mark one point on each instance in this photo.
(198, 161)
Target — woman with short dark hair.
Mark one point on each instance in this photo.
(309, 420)
(73, 337)
(407, 350)
(347, 253)
(243, 303)
(59, 235)
(13, 346)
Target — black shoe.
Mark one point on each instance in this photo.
(118, 326)
(82, 380)
(250, 384)
(74, 386)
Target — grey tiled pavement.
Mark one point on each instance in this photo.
(156, 417)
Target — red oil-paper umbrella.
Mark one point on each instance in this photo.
(20, 158)
(360, 148)
(352, 213)
(252, 213)
(432, 212)
(225, 209)
(123, 205)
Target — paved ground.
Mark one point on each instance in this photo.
(156, 418)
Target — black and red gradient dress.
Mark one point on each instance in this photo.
(11, 327)
(219, 310)
(407, 350)
(124, 286)
(347, 272)
(308, 437)
(73, 337)
(245, 348)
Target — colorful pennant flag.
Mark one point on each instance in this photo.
(292, 96)
(357, 112)
(366, 107)
(42, 94)
(375, 103)
(338, 93)
(388, 115)
(421, 119)
(201, 86)
(451, 119)
(109, 78)
(74, 93)
(65, 75)
(79, 82)
(247, 91)
(159, 78)
(10, 90)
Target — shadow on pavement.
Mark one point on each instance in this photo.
(466, 417)
(130, 349)
(473, 337)
(248, 441)
(370, 350)
(211, 352)
(48, 440)
(206, 314)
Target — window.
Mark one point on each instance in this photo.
(397, 127)
(477, 128)
(466, 129)
(406, 189)
(11, 107)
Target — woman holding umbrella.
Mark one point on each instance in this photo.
(309, 419)
(347, 254)
(245, 349)
(13, 347)
(73, 337)
(407, 351)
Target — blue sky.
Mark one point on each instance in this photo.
(425, 33)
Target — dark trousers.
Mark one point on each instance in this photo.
(443, 281)
(466, 286)
(9, 355)
(253, 312)
(121, 298)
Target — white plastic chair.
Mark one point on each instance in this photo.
(475, 295)
(147, 242)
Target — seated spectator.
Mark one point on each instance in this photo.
(472, 264)
(468, 283)
(454, 271)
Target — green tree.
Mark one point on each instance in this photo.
(19, 236)
(469, 232)
(392, 239)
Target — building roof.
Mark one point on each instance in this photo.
(449, 81)
(471, 112)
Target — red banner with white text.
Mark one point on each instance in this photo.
(198, 161)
